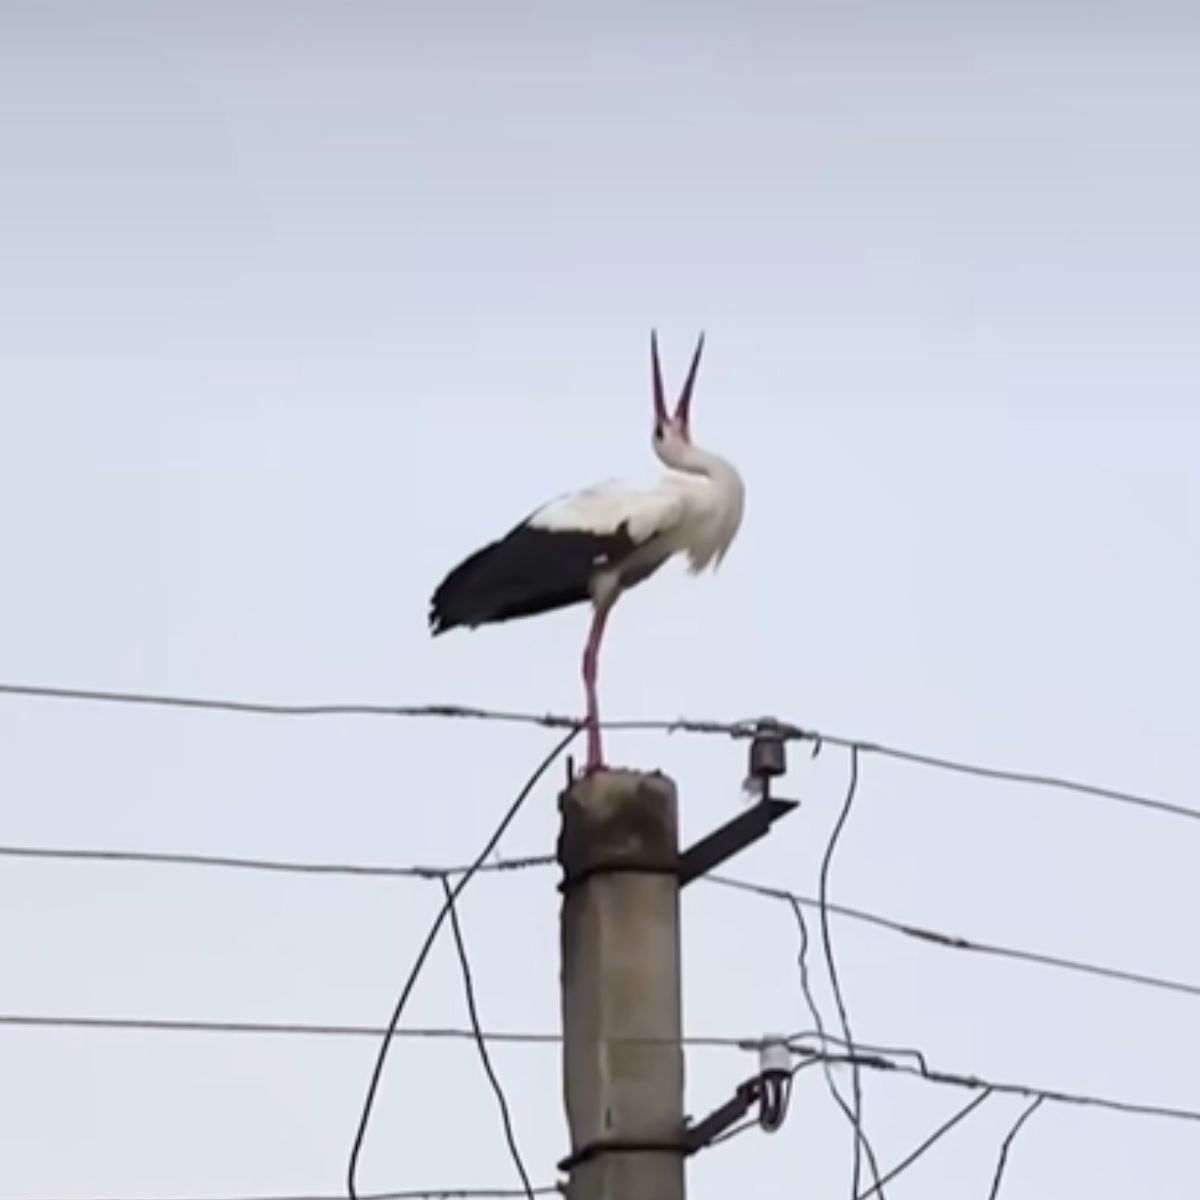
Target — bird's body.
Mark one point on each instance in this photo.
(587, 545)
(595, 544)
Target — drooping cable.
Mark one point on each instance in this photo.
(485, 1057)
(419, 964)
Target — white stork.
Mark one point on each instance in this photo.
(597, 543)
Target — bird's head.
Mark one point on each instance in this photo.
(673, 427)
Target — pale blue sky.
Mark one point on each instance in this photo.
(301, 301)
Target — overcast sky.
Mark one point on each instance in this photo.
(300, 302)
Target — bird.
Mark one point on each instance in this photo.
(594, 545)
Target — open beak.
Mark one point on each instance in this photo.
(683, 405)
(660, 405)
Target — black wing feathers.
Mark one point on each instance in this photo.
(527, 572)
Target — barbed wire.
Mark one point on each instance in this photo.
(688, 725)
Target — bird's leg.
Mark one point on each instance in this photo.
(591, 658)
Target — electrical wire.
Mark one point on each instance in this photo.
(262, 1028)
(415, 973)
(978, 1082)
(1006, 1146)
(313, 1029)
(854, 1057)
(452, 1193)
(688, 725)
(933, 937)
(950, 941)
(928, 1144)
(855, 1112)
(1027, 778)
(464, 963)
(274, 865)
(878, 1051)
(868, 1057)
(815, 1012)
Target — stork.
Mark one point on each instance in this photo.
(596, 544)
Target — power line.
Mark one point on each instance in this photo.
(315, 1029)
(936, 1136)
(1027, 778)
(485, 1058)
(950, 941)
(854, 1111)
(423, 955)
(281, 866)
(453, 1193)
(978, 1082)
(868, 1061)
(931, 937)
(263, 1028)
(1006, 1146)
(853, 1057)
(264, 709)
(866, 1057)
(877, 1051)
(689, 725)
(814, 1010)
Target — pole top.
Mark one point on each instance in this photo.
(618, 821)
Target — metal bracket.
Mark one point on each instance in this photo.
(732, 837)
(770, 1089)
(697, 1136)
(694, 1138)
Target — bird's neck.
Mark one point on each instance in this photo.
(693, 460)
(720, 476)
(724, 499)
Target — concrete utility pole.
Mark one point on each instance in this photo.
(623, 1061)
(623, 1053)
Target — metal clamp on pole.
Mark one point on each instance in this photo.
(618, 1145)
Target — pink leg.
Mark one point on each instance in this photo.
(591, 656)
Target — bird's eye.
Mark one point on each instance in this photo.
(658, 430)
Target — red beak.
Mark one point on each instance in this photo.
(684, 404)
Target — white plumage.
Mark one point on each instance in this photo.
(599, 542)
(605, 507)
(698, 516)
